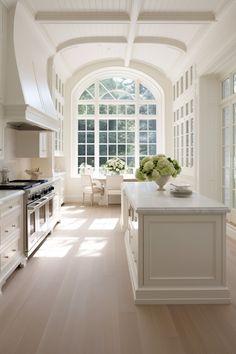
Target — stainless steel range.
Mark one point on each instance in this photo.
(41, 210)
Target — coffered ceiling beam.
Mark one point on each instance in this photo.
(161, 40)
(136, 6)
(176, 17)
(53, 17)
(91, 40)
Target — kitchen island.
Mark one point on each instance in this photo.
(176, 247)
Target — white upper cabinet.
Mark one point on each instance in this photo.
(31, 144)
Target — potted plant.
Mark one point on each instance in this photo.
(114, 165)
(157, 168)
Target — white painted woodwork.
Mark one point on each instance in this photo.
(11, 233)
(31, 144)
(175, 246)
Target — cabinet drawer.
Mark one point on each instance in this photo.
(10, 206)
(8, 255)
(9, 226)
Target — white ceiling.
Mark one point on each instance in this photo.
(157, 32)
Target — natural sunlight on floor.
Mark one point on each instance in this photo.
(104, 224)
(70, 223)
(92, 247)
(56, 247)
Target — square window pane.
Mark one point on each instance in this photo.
(90, 161)
(121, 149)
(81, 150)
(152, 149)
(81, 108)
(90, 149)
(81, 124)
(226, 136)
(234, 113)
(102, 160)
(226, 88)
(103, 124)
(226, 196)
(112, 150)
(102, 137)
(152, 109)
(226, 177)
(90, 124)
(226, 156)
(143, 124)
(142, 137)
(121, 109)
(121, 124)
(143, 109)
(130, 125)
(81, 160)
(130, 150)
(103, 150)
(130, 109)
(226, 116)
(130, 161)
(121, 137)
(130, 137)
(152, 124)
(90, 109)
(90, 138)
(143, 149)
(81, 138)
(112, 109)
(112, 124)
(112, 137)
(102, 109)
(152, 137)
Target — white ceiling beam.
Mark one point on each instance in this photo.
(176, 17)
(161, 40)
(136, 6)
(93, 40)
(53, 17)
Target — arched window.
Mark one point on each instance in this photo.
(117, 116)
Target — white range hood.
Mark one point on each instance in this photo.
(28, 103)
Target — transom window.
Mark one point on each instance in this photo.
(117, 117)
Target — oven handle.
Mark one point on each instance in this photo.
(46, 198)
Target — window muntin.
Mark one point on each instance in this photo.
(117, 106)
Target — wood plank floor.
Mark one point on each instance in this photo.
(75, 297)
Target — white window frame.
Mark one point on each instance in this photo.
(88, 80)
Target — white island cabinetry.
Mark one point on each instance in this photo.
(11, 233)
(175, 246)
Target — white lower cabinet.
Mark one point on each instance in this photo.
(176, 254)
(11, 237)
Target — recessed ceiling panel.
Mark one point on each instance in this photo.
(182, 5)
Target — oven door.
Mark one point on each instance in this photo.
(36, 224)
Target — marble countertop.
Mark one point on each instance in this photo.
(8, 194)
(145, 198)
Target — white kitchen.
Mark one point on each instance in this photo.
(134, 268)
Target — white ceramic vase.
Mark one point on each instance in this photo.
(161, 182)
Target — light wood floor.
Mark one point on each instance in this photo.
(74, 296)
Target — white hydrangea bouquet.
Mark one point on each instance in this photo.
(115, 165)
(152, 168)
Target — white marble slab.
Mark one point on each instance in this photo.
(145, 198)
(8, 194)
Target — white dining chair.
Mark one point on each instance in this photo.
(113, 186)
(90, 188)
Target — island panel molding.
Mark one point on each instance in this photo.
(173, 256)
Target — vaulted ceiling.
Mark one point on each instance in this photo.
(156, 32)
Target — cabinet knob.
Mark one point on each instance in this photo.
(6, 231)
(6, 256)
(13, 225)
(14, 250)
(10, 206)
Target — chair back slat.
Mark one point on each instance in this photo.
(114, 182)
